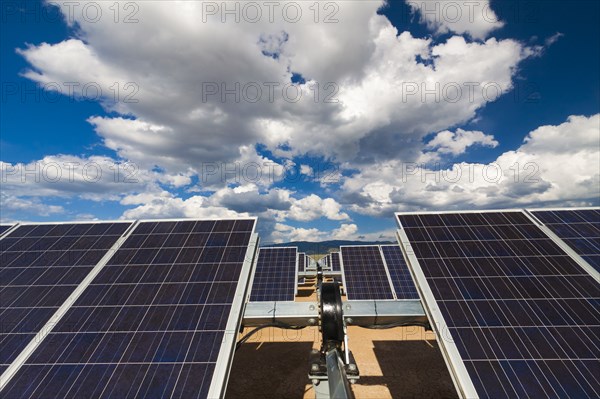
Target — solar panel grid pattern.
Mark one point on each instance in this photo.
(41, 265)
(580, 229)
(275, 275)
(365, 273)
(4, 227)
(151, 323)
(399, 273)
(523, 315)
(335, 262)
(301, 262)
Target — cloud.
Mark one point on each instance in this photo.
(475, 18)
(274, 207)
(553, 39)
(313, 207)
(180, 106)
(285, 233)
(165, 205)
(178, 86)
(12, 205)
(95, 177)
(556, 165)
(457, 143)
(306, 170)
(346, 231)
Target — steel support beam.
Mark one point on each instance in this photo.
(355, 312)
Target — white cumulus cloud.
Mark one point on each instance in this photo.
(475, 18)
(457, 143)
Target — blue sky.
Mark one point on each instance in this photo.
(514, 96)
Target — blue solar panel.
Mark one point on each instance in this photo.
(275, 275)
(365, 273)
(301, 262)
(4, 228)
(152, 323)
(522, 314)
(41, 267)
(580, 229)
(399, 273)
(334, 258)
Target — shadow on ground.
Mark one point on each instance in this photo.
(270, 370)
(411, 369)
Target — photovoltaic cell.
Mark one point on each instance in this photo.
(580, 229)
(334, 258)
(301, 262)
(399, 273)
(365, 273)
(152, 322)
(41, 266)
(522, 313)
(275, 275)
(4, 227)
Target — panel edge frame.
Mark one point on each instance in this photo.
(460, 376)
(561, 244)
(220, 377)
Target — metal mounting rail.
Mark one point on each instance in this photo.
(313, 273)
(355, 312)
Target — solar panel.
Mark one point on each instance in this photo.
(41, 267)
(578, 228)
(365, 274)
(159, 320)
(275, 275)
(334, 258)
(301, 261)
(516, 316)
(402, 281)
(4, 228)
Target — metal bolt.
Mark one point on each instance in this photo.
(353, 381)
(348, 307)
(352, 367)
(312, 307)
(314, 367)
(349, 320)
(312, 321)
(315, 381)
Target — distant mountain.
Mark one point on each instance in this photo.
(323, 247)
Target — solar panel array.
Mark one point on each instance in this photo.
(522, 314)
(152, 322)
(275, 275)
(404, 286)
(334, 259)
(365, 273)
(41, 266)
(580, 229)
